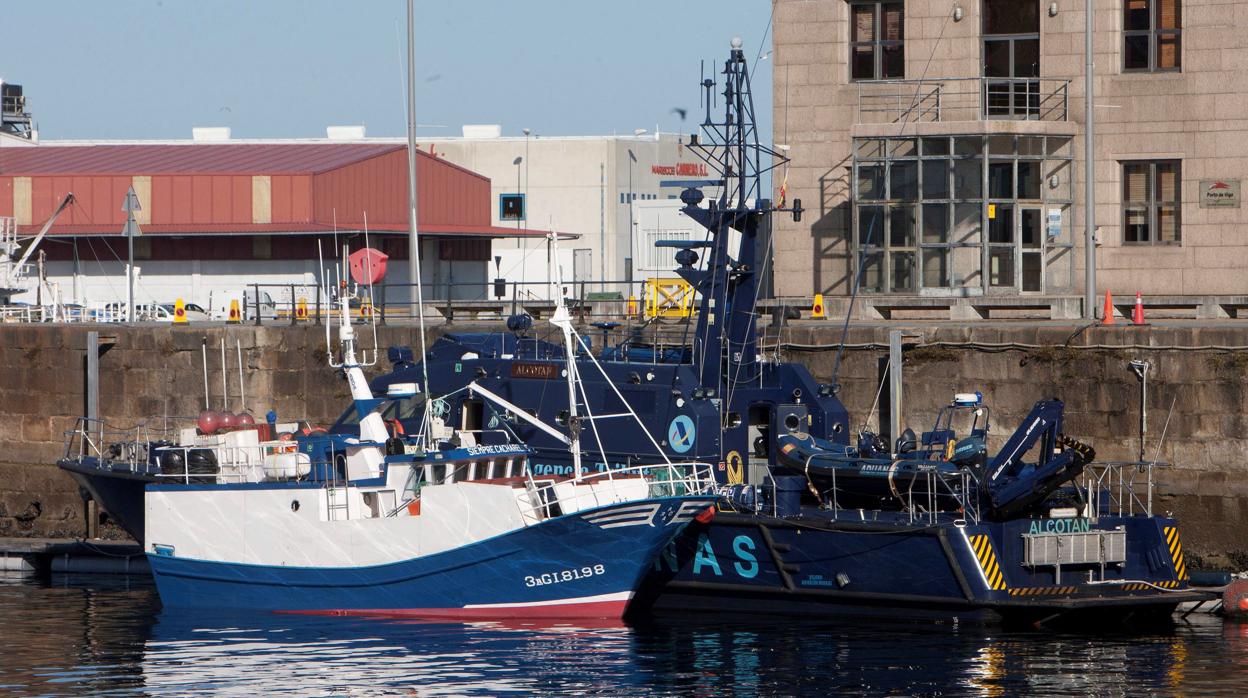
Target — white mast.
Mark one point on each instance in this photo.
(563, 321)
(413, 252)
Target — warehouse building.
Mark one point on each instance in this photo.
(217, 216)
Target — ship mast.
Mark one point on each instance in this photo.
(413, 237)
(725, 343)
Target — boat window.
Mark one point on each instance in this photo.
(349, 421)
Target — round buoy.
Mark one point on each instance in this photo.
(1235, 599)
(244, 419)
(227, 420)
(209, 422)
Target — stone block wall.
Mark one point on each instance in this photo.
(154, 371)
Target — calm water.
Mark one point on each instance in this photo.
(83, 636)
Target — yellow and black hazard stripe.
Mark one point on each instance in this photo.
(982, 545)
(1042, 591)
(1176, 551)
(1060, 590)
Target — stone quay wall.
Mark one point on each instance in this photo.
(1196, 393)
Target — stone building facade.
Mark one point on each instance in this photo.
(938, 146)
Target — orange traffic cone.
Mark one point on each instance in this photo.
(1137, 315)
(1107, 315)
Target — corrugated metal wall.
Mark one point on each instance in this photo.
(448, 195)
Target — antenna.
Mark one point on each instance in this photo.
(204, 354)
(242, 388)
(225, 391)
(372, 310)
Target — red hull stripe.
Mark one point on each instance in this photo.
(592, 609)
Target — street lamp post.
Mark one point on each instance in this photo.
(628, 264)
(1089, 148)
(523, 203)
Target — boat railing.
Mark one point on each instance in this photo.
(94, 438)
(1119, 488)
(661, 480)
(930, 495)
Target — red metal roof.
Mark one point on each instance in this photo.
(242, 188)
(189, 158)
(296, 229)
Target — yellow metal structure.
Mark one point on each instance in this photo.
(668, 298)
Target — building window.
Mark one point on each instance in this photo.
(511, 207)
(1151, 196)
(1152, 35)
(877, 47)
(938, 214)
(261, 247)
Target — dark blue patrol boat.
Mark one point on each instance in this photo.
(815, 520)
(818, 522)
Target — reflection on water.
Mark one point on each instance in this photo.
(94, 636)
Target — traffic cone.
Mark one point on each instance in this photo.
(179, 312)
(236, 317)
(632, 306)
(1137, 315)
(817, 311)
(301, 309)
(1107, 315)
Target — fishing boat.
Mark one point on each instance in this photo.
(382, 523)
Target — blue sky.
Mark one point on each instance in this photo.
(288, 68)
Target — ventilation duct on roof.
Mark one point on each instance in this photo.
(482, 130)
(344, 133)
(209, 134)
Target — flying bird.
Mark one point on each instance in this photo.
(680, 112)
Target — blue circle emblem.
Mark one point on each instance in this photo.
(681, 434)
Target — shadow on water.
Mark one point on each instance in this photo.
(80, 636)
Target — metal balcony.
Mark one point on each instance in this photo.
(962, 99)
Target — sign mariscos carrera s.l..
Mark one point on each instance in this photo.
(680, 169)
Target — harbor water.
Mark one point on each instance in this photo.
(100, 636)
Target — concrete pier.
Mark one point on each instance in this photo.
(1198, 368)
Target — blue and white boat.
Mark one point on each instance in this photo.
(431, 525)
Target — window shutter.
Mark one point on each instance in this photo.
(1135, 183)
(893, 20)
(1168, 14)
(1167, 182)
(864, 22)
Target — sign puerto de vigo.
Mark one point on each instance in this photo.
(1219, 193)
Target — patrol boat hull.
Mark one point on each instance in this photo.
(817, 564)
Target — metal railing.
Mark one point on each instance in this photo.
(93, 438)
(962, 99)
(1120, 488)
(661, 480)
(929, 495)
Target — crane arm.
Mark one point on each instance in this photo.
(69, 199)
